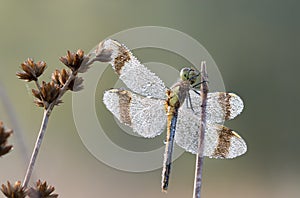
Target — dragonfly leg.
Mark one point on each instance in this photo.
(196, 85)
(196, 91)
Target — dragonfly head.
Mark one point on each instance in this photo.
(190, 74)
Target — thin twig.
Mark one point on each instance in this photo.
(37, 147)
(47, 113)
(200, 157)
(37, 84)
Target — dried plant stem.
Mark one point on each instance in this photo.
(65, 87)
(37, 84)
(37, 147)
(200, 157)
(47, 113)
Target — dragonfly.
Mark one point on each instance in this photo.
(149, 107)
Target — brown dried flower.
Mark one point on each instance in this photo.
(61, 77)
(16, 191)
(73, 60)
(42, 190)
(48, 94)
(31, 70)
(4, 134)
(55, 77)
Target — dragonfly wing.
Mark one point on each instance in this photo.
(187, 130)
(222, 142)
(221, 106)
(135, 75)
(219, 141)
(146, 116)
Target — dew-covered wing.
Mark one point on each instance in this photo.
(146, 116)
(135, 75)
(219, 141)
(221, 106)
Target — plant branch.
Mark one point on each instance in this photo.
(37, 147)
(200, 157)
(47, 113)
(38, 85)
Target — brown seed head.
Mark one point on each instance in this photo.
(48, 94)
(31, 70)
(4, 135)
(16, 191)
(55, 77)
(42, 190)
(60, 78)
(73, 60)
(64, 76)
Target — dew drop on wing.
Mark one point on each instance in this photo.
(144, 88)
(150, 97)
(149, 84)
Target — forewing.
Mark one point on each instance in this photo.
(146, 116)
(219, 141)
(135, 75)
(221, 106)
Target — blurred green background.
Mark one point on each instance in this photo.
(256, 46)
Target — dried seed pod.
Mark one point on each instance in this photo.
(31, 70)
(4, 135)
(48, 94)
(15, 191)
(73, 60)
(60, 78)
(42, 190)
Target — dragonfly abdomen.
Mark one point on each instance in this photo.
(171, 127)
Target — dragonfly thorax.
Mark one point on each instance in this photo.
(178, 93)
